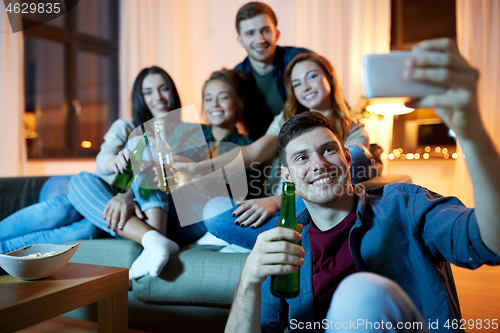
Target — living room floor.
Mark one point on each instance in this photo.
(478, 293)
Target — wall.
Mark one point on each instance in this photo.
(437, 175)
(59, 167)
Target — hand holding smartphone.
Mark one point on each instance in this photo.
(383, 76)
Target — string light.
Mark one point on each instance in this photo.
(444, 153)
(86, 144)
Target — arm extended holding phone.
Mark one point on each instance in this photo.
(434, 75)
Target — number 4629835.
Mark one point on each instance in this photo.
(472, 324)
(39, 8)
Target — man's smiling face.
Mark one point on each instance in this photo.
(318, 165)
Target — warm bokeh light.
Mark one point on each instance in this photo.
(86, 144)
(396, 154)
(438, 149)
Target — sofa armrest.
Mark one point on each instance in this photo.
(18, 192)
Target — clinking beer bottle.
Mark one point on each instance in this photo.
(287, 286)
(122, 181)
(164, 160)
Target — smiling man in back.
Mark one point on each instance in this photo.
(265, 65)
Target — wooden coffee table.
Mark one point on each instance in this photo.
(26, 303)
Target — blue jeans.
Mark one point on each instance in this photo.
(223, 227)
(364, 301)
(52, 220)
(89, 194)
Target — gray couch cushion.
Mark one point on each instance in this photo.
(198, 275)
(107, 252)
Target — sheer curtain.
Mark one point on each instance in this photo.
(191, 38)
(147, 28)
(343, 31)
(478, 38)
(13, 147)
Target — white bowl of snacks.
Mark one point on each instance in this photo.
(37, 261)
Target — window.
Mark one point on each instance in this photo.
(421, 131)
(71, 80)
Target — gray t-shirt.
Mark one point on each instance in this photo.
(269, 91)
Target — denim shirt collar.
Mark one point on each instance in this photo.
(303, 217)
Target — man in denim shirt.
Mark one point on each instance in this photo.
(265, 65)
(387, 251)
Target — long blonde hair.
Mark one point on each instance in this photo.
(341, 116)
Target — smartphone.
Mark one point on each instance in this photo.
(383, 77)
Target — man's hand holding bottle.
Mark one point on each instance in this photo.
(273, 255)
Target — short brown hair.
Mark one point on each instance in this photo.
(301, 123)
(252, 9)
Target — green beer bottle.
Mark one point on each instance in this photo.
(287, 286)
(122, 181)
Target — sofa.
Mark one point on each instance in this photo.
(193, 293)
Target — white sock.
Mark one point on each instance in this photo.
(157, 251)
